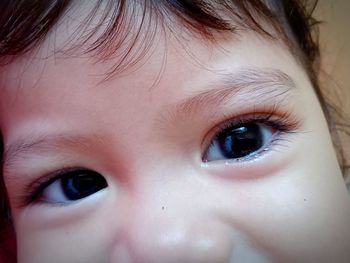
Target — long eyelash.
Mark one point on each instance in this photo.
(32, 192)
(284, 122)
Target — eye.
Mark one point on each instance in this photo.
(71, 185)
(239, 141)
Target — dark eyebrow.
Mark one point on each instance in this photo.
(41, 144)
(251, 84)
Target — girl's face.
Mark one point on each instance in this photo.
(200, 153)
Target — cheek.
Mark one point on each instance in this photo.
(294, 214)
(83, 233)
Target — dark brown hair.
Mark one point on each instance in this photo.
(25, 24)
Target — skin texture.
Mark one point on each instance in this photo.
(163, 203)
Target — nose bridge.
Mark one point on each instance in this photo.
(168, 224)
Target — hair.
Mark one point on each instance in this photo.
(26, 24)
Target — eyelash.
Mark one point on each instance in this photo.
(283, 123)
(33, 192)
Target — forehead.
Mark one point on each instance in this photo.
(57, 61)
(67, 89)
(161, 68)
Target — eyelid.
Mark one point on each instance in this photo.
(33, 190)
(284, 121)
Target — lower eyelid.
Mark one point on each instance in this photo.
(281, 140)
(247, 158)
(270, 160)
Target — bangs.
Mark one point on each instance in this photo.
(127, 29)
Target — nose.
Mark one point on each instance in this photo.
(173, 227)
(175, 241)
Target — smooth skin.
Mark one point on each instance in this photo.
(165, 202)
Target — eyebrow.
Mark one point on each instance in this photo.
(249, 84)
(41, 144)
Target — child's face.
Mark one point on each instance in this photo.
(268, 187)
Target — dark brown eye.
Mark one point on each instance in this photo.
(80, 184)
(239, 141)
(73, 185)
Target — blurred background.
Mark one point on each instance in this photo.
(335, 52)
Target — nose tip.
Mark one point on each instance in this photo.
(176, 241)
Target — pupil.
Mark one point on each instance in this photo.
(240, 141)
(80, 184)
